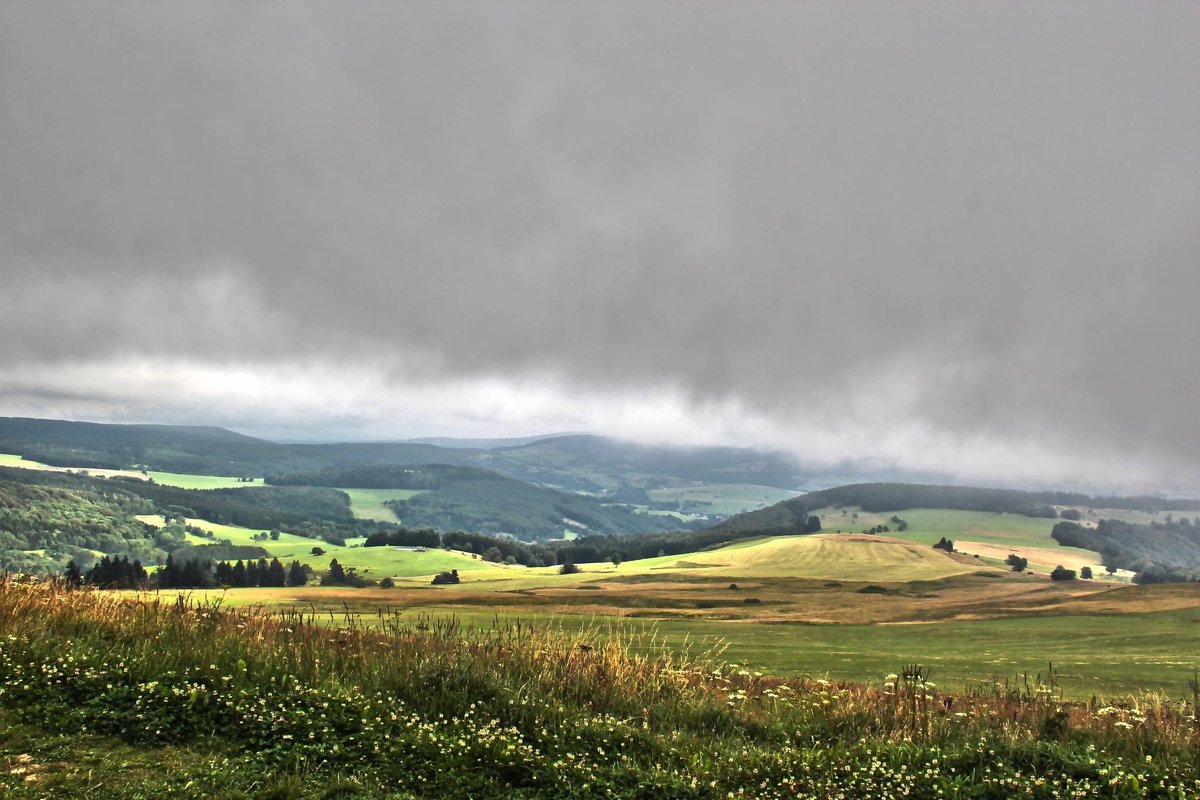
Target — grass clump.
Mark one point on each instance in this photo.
(428, 709)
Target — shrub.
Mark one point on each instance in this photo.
(1017, 563)
(1061, 573)
(446, 577)
(568, 568)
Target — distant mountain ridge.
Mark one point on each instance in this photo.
(572, 462)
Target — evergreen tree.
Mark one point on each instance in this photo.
(73, 576)
(239, 576)
(296, 575)
(276, 574)
(336, 573)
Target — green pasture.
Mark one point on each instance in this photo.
(720, 499)
(185, 481)
(376, 562)
(1091, 654)
(369, 503)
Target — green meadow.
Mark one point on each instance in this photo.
(720, 499)
(369, 503)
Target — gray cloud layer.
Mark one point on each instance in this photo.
(973, 223)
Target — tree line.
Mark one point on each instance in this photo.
(121, 573)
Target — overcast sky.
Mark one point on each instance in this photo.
(960, 236)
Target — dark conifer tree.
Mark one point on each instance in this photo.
(276, 574)
(296, 575)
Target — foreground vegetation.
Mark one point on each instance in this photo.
(430, 710)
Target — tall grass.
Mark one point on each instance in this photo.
(517, 710)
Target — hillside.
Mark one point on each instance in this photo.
(581, 463)
(791, 515)
(44, 527)
(473, 499)
(597, 463)
(1159, 551)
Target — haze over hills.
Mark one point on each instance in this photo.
(575, 462)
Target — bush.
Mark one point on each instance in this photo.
(568, 568)
(1061, 573)
(1017, 563)
(386, 583)
(443, 578)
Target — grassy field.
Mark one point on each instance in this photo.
(95, 690)
(720, 500)
(178, 479)
(185, 481)
(373, 562)
(369, 503)
(1106, 654)
(841, 607)
(990, 536)
(846, 606)
(10, 460)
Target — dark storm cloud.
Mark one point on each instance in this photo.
(975, 224)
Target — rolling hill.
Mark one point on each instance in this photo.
(579, 463)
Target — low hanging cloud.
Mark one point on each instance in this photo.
(952, 237)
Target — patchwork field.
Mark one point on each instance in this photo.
(720, 500)
(990, 536)
(840, 607)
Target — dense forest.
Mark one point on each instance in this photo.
(44, 527)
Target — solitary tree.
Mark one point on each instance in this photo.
(1017, 562)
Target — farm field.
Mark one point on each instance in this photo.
(990, 536)
(185, 481)
(369, 503)
(373, 562)
(1100, 652)
(12, 460)
(817, 606)
(178, 479)
(720, 499)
